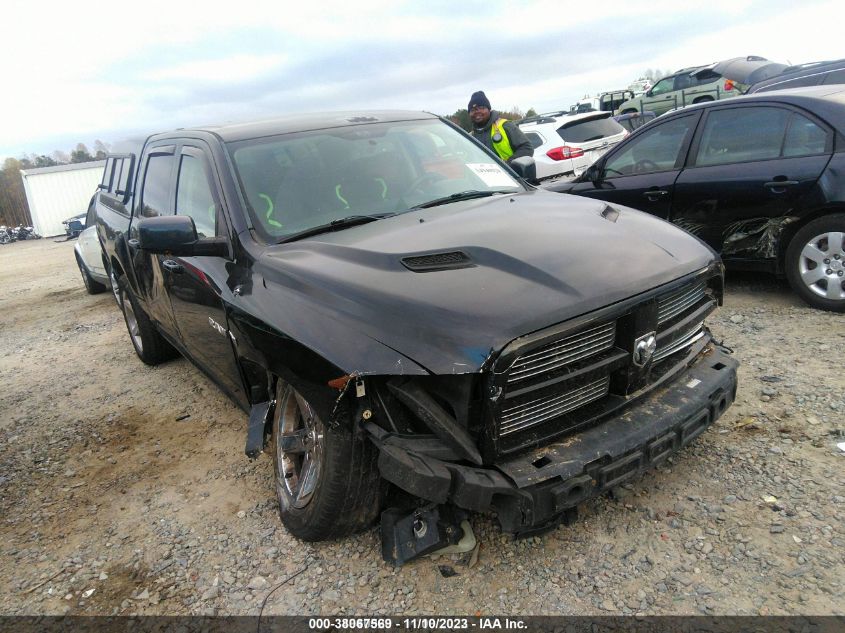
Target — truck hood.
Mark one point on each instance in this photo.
(533, 259)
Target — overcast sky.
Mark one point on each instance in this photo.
(85, 70)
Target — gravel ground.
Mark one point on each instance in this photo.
(124, 488)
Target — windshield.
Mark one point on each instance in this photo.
(295, 182)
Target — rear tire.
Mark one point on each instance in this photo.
(91, 285)
(327, 480)
(815, 263)
(149, 344)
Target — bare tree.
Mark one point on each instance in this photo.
(100, 150)
(13, 207)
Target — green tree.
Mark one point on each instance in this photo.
(461, 118)
(100, 150)
(531, 112)
(80, 154)
(44, 161)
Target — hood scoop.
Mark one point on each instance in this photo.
(437, 261)
(609, 213)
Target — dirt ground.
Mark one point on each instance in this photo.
(124, 488)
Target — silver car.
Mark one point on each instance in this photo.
(566, 144)
(89, 257)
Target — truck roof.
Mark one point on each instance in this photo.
(230, 132)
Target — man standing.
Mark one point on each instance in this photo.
(502, 136)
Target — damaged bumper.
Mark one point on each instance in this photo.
(538, 489)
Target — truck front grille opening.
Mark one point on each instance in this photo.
(563, 352)
(573, 379)
(526, 414)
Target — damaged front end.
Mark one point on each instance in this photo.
(558, 416)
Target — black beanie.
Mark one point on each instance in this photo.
(479, 99)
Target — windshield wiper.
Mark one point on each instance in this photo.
(455, 197)
(335, 225)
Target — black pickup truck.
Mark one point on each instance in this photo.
(396, 308)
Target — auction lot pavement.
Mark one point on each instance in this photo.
(124, 488)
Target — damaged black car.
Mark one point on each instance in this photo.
(760, 178)
(403, 316)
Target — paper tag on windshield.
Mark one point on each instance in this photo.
(491, 174)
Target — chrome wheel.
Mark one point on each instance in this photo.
(300, 443)
(115, 287)
(132, 322)
(821, 265)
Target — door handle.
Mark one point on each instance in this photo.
(173, 266)
(655, 194)
(777, 184)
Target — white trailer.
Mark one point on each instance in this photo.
(58, 193)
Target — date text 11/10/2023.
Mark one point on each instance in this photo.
(418, 623)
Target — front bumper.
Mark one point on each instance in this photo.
(534, 490)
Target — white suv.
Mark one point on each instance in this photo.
(566, 144)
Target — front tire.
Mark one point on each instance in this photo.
(815, 263)
(327, 480)
(149, 344)
(115, 286)
(703, 100)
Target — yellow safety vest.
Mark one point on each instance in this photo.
(503, 147)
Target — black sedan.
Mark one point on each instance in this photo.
(761, 179)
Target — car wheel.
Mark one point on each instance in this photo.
(327, 480)
(115, 286)
(149, 344)
(815, 263)
(629, 111)
(703, 100)
(91, 285)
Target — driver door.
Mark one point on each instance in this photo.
(642, 171)
(199, 286)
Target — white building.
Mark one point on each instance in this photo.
(58, 193)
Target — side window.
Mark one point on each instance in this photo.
(682, 82)
(155, 197)
(654, 150)
(107, 174)
(535, 139)
(118, 168)
(194, 197)
(705, 77)
(835, 77)
(735, 135)
(804, 138)
(91, 218)
(800, 82)
(663, 86)
(122, 183)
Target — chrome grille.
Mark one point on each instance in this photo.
(687, 339)
(564, 351)
(526, 414)
(675, 303)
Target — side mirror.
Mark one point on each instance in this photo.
(177, 235)
(593, 174)
(525, 167)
